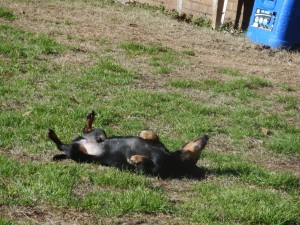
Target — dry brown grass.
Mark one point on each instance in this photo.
(48, 215)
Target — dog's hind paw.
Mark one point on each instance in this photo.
(91, 115)
(50, 133)
(137, 159)
(148, 135)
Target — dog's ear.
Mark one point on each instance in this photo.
(191, 151)
(101, 137)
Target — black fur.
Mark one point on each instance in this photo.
(122, 152)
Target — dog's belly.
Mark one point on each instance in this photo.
(122, 149)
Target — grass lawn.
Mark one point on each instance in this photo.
(51, 76)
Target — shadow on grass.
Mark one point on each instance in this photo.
(195, 173)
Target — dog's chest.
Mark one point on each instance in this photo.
(91, 146)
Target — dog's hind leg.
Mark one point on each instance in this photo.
(141, 163)
(148, 135)
(192, 150)
(89, 122)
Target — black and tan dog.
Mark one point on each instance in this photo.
(143, 153)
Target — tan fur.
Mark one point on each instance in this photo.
(89, 121)
(103, 137)
(137, 159)
(148, 135)
(83, 149)
(192, 150)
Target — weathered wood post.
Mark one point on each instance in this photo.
(217, 11)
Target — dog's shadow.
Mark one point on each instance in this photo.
(194, 173)
(201, 173)
(198, 173)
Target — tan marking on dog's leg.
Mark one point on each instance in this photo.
(148, 135)
(137, 159)
(190, 151)
(193, 149)
(89, 121)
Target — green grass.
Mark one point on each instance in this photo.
(188, 52)
(285, 142)
(110, 73)
(136, 48)
(163, 63)
(230, 72)
(37, 93)
(291, 102)
(249, 122)
(201, 21)
(22, 44)
(134, 200)
(236, 203)
(7, 14)
(10, 222)
(228, 165)
(243, 88)
(286, 87)
(30, 184)
(184, 83)
(160, 57)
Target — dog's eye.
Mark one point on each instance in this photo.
(99, 139)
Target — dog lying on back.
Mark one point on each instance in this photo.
(143, 153)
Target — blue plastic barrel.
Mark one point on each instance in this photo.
(275, 23)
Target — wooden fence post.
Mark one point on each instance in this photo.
(217, 8)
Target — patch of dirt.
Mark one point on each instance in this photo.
(275, 162)
(219, 142)
(256, 154)
(136, 219)
(48, 215)
(23, 156)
